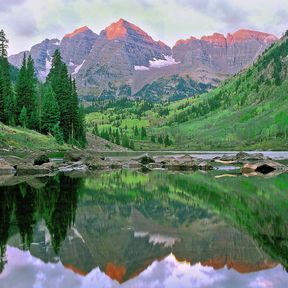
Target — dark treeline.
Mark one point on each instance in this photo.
(49, 108)
(22, 207)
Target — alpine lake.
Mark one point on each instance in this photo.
(133, 228)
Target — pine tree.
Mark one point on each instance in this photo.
(95, 130)
(132, 145)
(136, 132)
(59, 80)
(117, 137)
(30, 101)
(81, 128)
(20, 87)
(143, 133)
(26, 92)
(23, 117)
(167, 141)
(50, 114)
(58, 134)
(125, 141)
(71, 116)
(7, 102)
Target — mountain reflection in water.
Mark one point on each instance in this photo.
(144, 230)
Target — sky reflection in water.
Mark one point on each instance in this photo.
(166, 273)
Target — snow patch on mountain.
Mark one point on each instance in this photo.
(44, 73)
(141, 68)
(157, 239)
(77, 234)
(78, 68)
(158, 63)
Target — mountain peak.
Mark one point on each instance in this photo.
(216, 38)
(77, 31)
(122, 29)
(244, 34)
(241, 35)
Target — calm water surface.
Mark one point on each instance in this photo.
(131, 229)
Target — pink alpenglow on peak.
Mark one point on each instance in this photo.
(216, 38)
(185, 41)
(239, 36)
(77, 31)
(244, 35)
(122, 28)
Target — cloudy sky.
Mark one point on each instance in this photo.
(28, 22)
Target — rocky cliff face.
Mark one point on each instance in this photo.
(76, 46)
(42, 55)
(121, 49)
(227, 55)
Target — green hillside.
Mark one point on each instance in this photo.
(172, 89)
(21, 138)
(248, 111)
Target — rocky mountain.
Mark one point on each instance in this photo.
(222, 54)
(42, 55)
(121, 49)
(123, 58)
(74, 47)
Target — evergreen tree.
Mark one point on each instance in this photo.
(50, 111)
(153, 139)
(7, 105)
(23, 117)
(160, 139)
(143, 133)
(81, 128)
(72, 117)
(20, 87)
(125, 141)
(26, 92)
(132, 145)
(95, 130)
(136, 132)
(167, 141)
(58, 134)
(117, 137)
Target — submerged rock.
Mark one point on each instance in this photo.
(263, 167)
(144, 159)
(73, 156)
(6, 168)
(41, 159)
(78, 166)
(241, 157)
(28, 169)
(132, 164)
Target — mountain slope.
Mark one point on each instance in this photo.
(218, 53)
(74, 48)
(248, 111)
(121, 49)
(172, 88)
(21, 138)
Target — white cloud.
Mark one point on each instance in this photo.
(168, 20)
